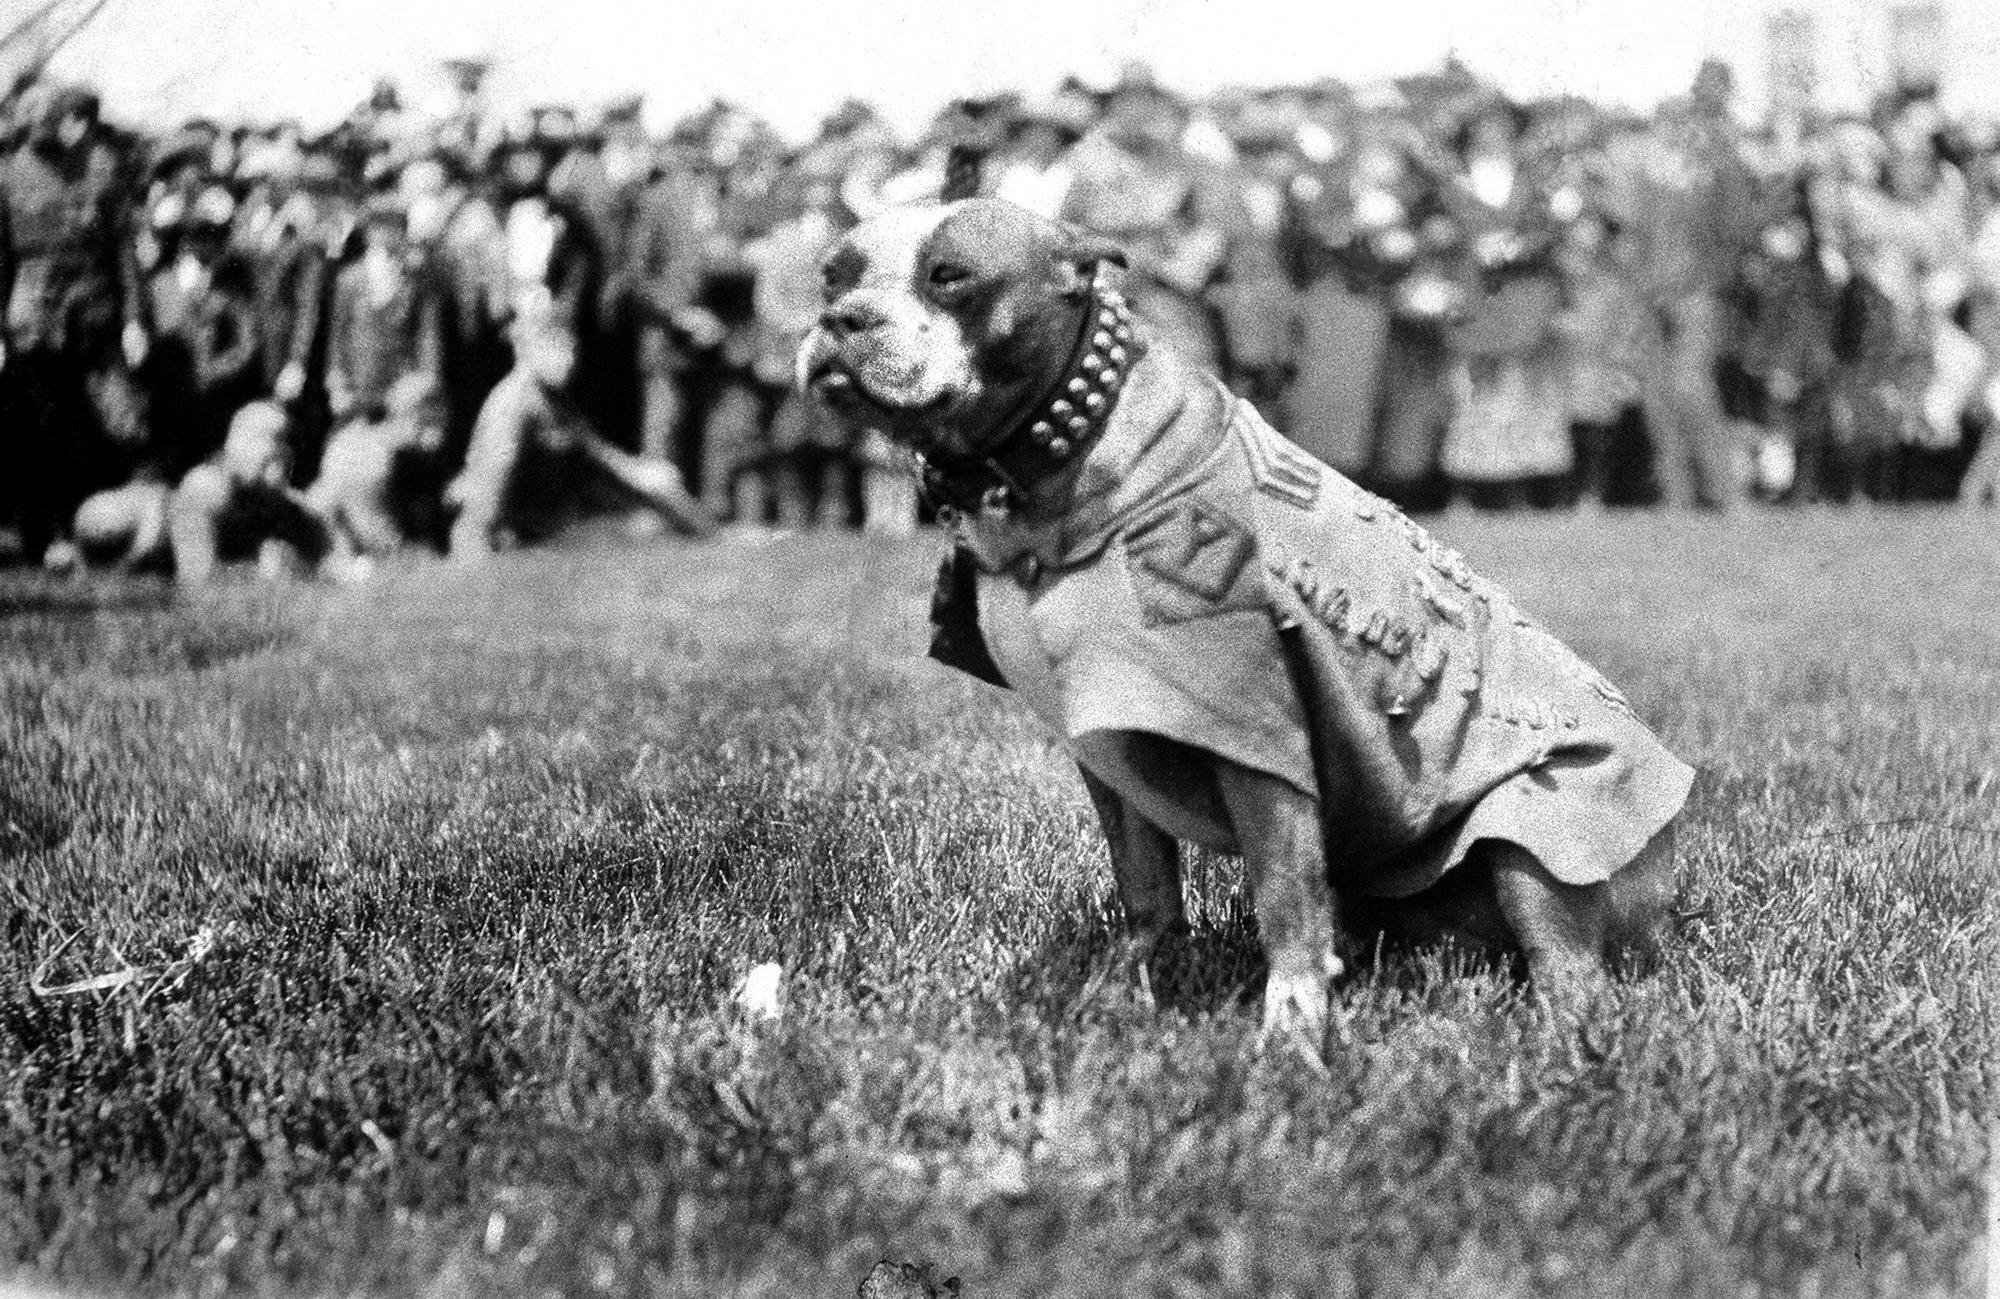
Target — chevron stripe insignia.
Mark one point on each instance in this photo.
(1281, 469)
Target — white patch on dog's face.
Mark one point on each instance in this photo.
(900, 349)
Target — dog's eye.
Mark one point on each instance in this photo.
(946, 275)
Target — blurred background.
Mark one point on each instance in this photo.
(318, 284)
(791, 61)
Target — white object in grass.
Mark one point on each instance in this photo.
(759, 993)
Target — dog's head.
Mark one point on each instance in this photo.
(944, 321)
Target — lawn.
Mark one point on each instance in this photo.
(381, 940)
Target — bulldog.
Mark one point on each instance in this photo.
(1243, 649)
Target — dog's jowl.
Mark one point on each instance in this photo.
(1244, 649)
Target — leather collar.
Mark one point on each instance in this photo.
(1057, 429)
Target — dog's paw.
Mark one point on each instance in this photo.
(1123, 979)
(1295, 1004)
(1570, 992)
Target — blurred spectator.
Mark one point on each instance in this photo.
(551, 257)
(658, 278)
(1510, 375)
(1349, 239)
(382, 328)
(380, 470)
(801, 464)
(203, 363)
(273, 236)
(1685, 201)
(1437, 290)
(239, 506)
(1031, 166)
(1172, 213)
(74, 323)
(1792, 307)
(1602, 336)
(459, 254)
(531, 446)
(125, 528)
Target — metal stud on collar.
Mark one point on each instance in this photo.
(1085, 395)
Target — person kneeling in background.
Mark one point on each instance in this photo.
(520, 469)
(125, 528)
(236, 506)
(377, 484)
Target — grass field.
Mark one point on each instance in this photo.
(421, 904)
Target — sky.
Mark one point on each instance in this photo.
(794, 59)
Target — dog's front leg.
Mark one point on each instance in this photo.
(1278, 830)
(1146, 863)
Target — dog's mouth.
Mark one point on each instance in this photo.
(852, 391)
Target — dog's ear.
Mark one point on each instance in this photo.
(1082, 252)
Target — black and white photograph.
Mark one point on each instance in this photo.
(1083, 647)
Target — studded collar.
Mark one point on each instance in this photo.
(1057, 429)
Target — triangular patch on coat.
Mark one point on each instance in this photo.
(1197, 552)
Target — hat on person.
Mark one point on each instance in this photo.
(553, 124)
(1068, 113)
(187, 147)
(850, 116)
(386, 210)
(68, 101)
(624, 109)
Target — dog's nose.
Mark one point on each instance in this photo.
(845, 318)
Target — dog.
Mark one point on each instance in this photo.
(1244, 649)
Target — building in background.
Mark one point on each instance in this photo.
(1845, 55)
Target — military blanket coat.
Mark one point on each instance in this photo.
(1217, 586)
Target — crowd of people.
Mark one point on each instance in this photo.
(246, 341)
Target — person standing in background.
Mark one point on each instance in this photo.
(203, 364)
(1508, 441)
(272, 238)
(1980, 485)
(382, 328)
(1136, 185)
(460, 267)
(807, 463)
(1601, 337)
(1255, 300)
(660, 276)
(1788, 345)
(1685, 201)
(74, 326)
(1349, 238)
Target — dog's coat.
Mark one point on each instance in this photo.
(1244, 649)
(1223, 590)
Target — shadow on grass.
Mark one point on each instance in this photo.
(133, 630)
(72, 600)
(1219, 966)
(28, 823)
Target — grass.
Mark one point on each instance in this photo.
(430, 896)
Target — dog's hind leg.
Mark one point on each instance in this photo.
(1284, 854)
(1146, 863)
(1640, 900)
(1560, 927)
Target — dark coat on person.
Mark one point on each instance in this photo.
(375, 337)
(67, 273)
